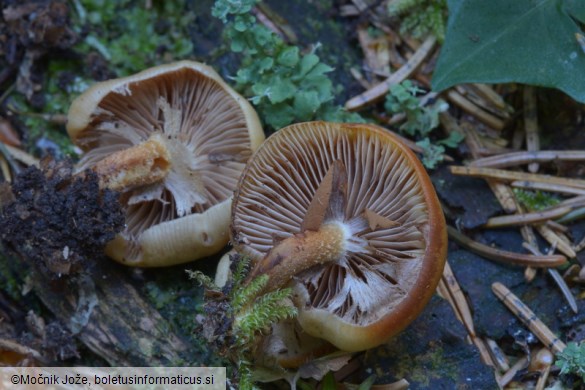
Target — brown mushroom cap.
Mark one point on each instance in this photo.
(174, 140)
(358, 295)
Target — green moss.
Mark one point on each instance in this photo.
(536, 200)
(426, 367)
(132, 38)
(572, 360)
(420, 18)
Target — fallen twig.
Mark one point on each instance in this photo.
(528, 318)
(557, 239)
(518, 158)
(481, 99)
(482, 115)
(503, 256)
(514, 176)
(527, 218)
(379, 91)
(550, 187)
(492, 96)
(503, 380)
(498, 356)
(451, 291)
(564, 289)
(559, 280)
(531, 124)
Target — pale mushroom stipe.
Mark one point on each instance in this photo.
(173, 140)
(347, 216)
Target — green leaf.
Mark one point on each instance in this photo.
(321, 84)
(305, 104)
(265, 64)
(432, 154)
(576, 8)
(278, 115)
(262, 36)
(319, 70)
(281, 90)
(525, 41)
(240, 25)
(307, 63)
(261, 90)
(367, 384)
(453, 140)
(289, 57)
(238, 44)
(329, 382)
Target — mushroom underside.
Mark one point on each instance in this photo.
(382, 217)
(199, 124)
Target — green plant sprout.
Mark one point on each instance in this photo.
(420, 18)
(284, 84)
(572, 360)
(420, 120)
(250, 314)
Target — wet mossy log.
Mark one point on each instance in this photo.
(122, 328)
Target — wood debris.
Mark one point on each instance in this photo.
(528, 318)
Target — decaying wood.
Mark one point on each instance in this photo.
(123, 328)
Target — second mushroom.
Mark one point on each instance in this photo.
(173, 140)
(347, 216)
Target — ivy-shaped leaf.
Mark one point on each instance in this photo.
(525, 41)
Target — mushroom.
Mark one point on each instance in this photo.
(173, 140)
(347, 216)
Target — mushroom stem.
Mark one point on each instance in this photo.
(142, 164)
(300, 252)
(319, 242)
